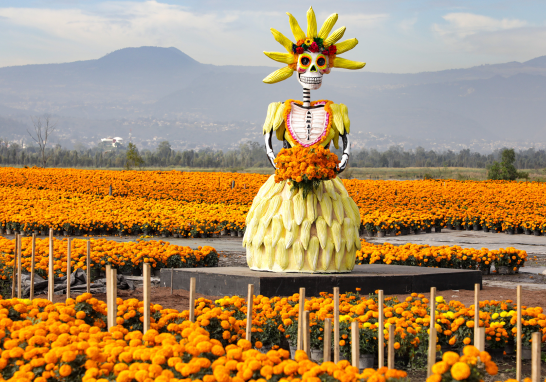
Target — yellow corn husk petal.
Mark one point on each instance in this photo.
(299, 207)
(285, 58)
(356, 211)
(313, 252)
(295, 27)
(249, 256)
(348, 64)
(289, 192)
(327, 26)
(338, 210)
(345, 115)
(339, 254)
(276, 189)
(338, 119)
(297, 252)
(329, 137)
(251, 230)
(269, 255)
(348, 232)
(266, 187)
(322, 231)
(335, 36)
(329, 185)
(271, 110)
(305, 233)
(276, 229)
(336, 138)
(280, 131)
(258, 256)
(279, 75)
(258, 238)
(259, 209)
(311, 203)
(250, 214)
(327, 255)
(358, 243)
(338, 184)
(278, 120)
(282, 39)
(281, 255)
(319, 191)
(336, 234)
(274, 205)
(346, 200)
(326, 207)
(346, 45)
(350, 260)
(291, 236)
(286, 211)
(311, 23)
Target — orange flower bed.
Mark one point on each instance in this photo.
(177, 198)
(125, 256)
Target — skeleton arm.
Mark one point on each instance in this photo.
(342, 126)
(273, 123)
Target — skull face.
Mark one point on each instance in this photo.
(311, 67)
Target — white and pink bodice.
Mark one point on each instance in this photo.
(307, 126)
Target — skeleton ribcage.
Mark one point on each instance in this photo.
(307, 125)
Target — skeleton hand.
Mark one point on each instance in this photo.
(346, 152)
(344, 162)
(269, 150)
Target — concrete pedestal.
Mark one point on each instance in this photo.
(393, 279)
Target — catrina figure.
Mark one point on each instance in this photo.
(303, 219)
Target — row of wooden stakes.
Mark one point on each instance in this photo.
(17, 268)
(303, 341)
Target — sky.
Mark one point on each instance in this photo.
(395, 36)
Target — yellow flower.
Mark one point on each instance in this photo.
(460, 371)
(308, 41)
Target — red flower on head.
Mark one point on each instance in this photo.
(326, 52)
(314, 47)
(332, 49)
(299, 50)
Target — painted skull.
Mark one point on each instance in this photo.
(311, 67)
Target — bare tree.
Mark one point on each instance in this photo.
(43, 128)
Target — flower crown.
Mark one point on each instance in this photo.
(313, 45)
(313, 41)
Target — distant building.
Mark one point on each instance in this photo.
(114, 141)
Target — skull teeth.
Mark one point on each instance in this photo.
(311, 80)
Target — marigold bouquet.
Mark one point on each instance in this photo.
(464, 368)
(306, 166)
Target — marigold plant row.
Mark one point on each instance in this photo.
(125, 257)
(191, 203)
(69, 340)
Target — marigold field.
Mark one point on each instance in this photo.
(191, 204)
(68, 341)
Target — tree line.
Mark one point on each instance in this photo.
(249, 154)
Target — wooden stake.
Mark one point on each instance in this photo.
(192, 299)
(68, 267)
(327, 356)
(306, 337)
(19, 267)
(336, 324)
(14, 271)
(88, 266)
(476, 312)
(249, 311)
(232, 184)
(51, 272)
(432, 333)
(301, 306)
(32, 265)
(172, 281)
(480, 339)
(390, 362)
(380, 331)
(146, 275)
(518, 335)
(110, 191)
(355, 345)
(536, 342)
(111, 295)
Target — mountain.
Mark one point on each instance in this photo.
(162, 93)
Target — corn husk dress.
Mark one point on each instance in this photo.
(289, 233)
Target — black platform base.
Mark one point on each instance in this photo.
(392, 279)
